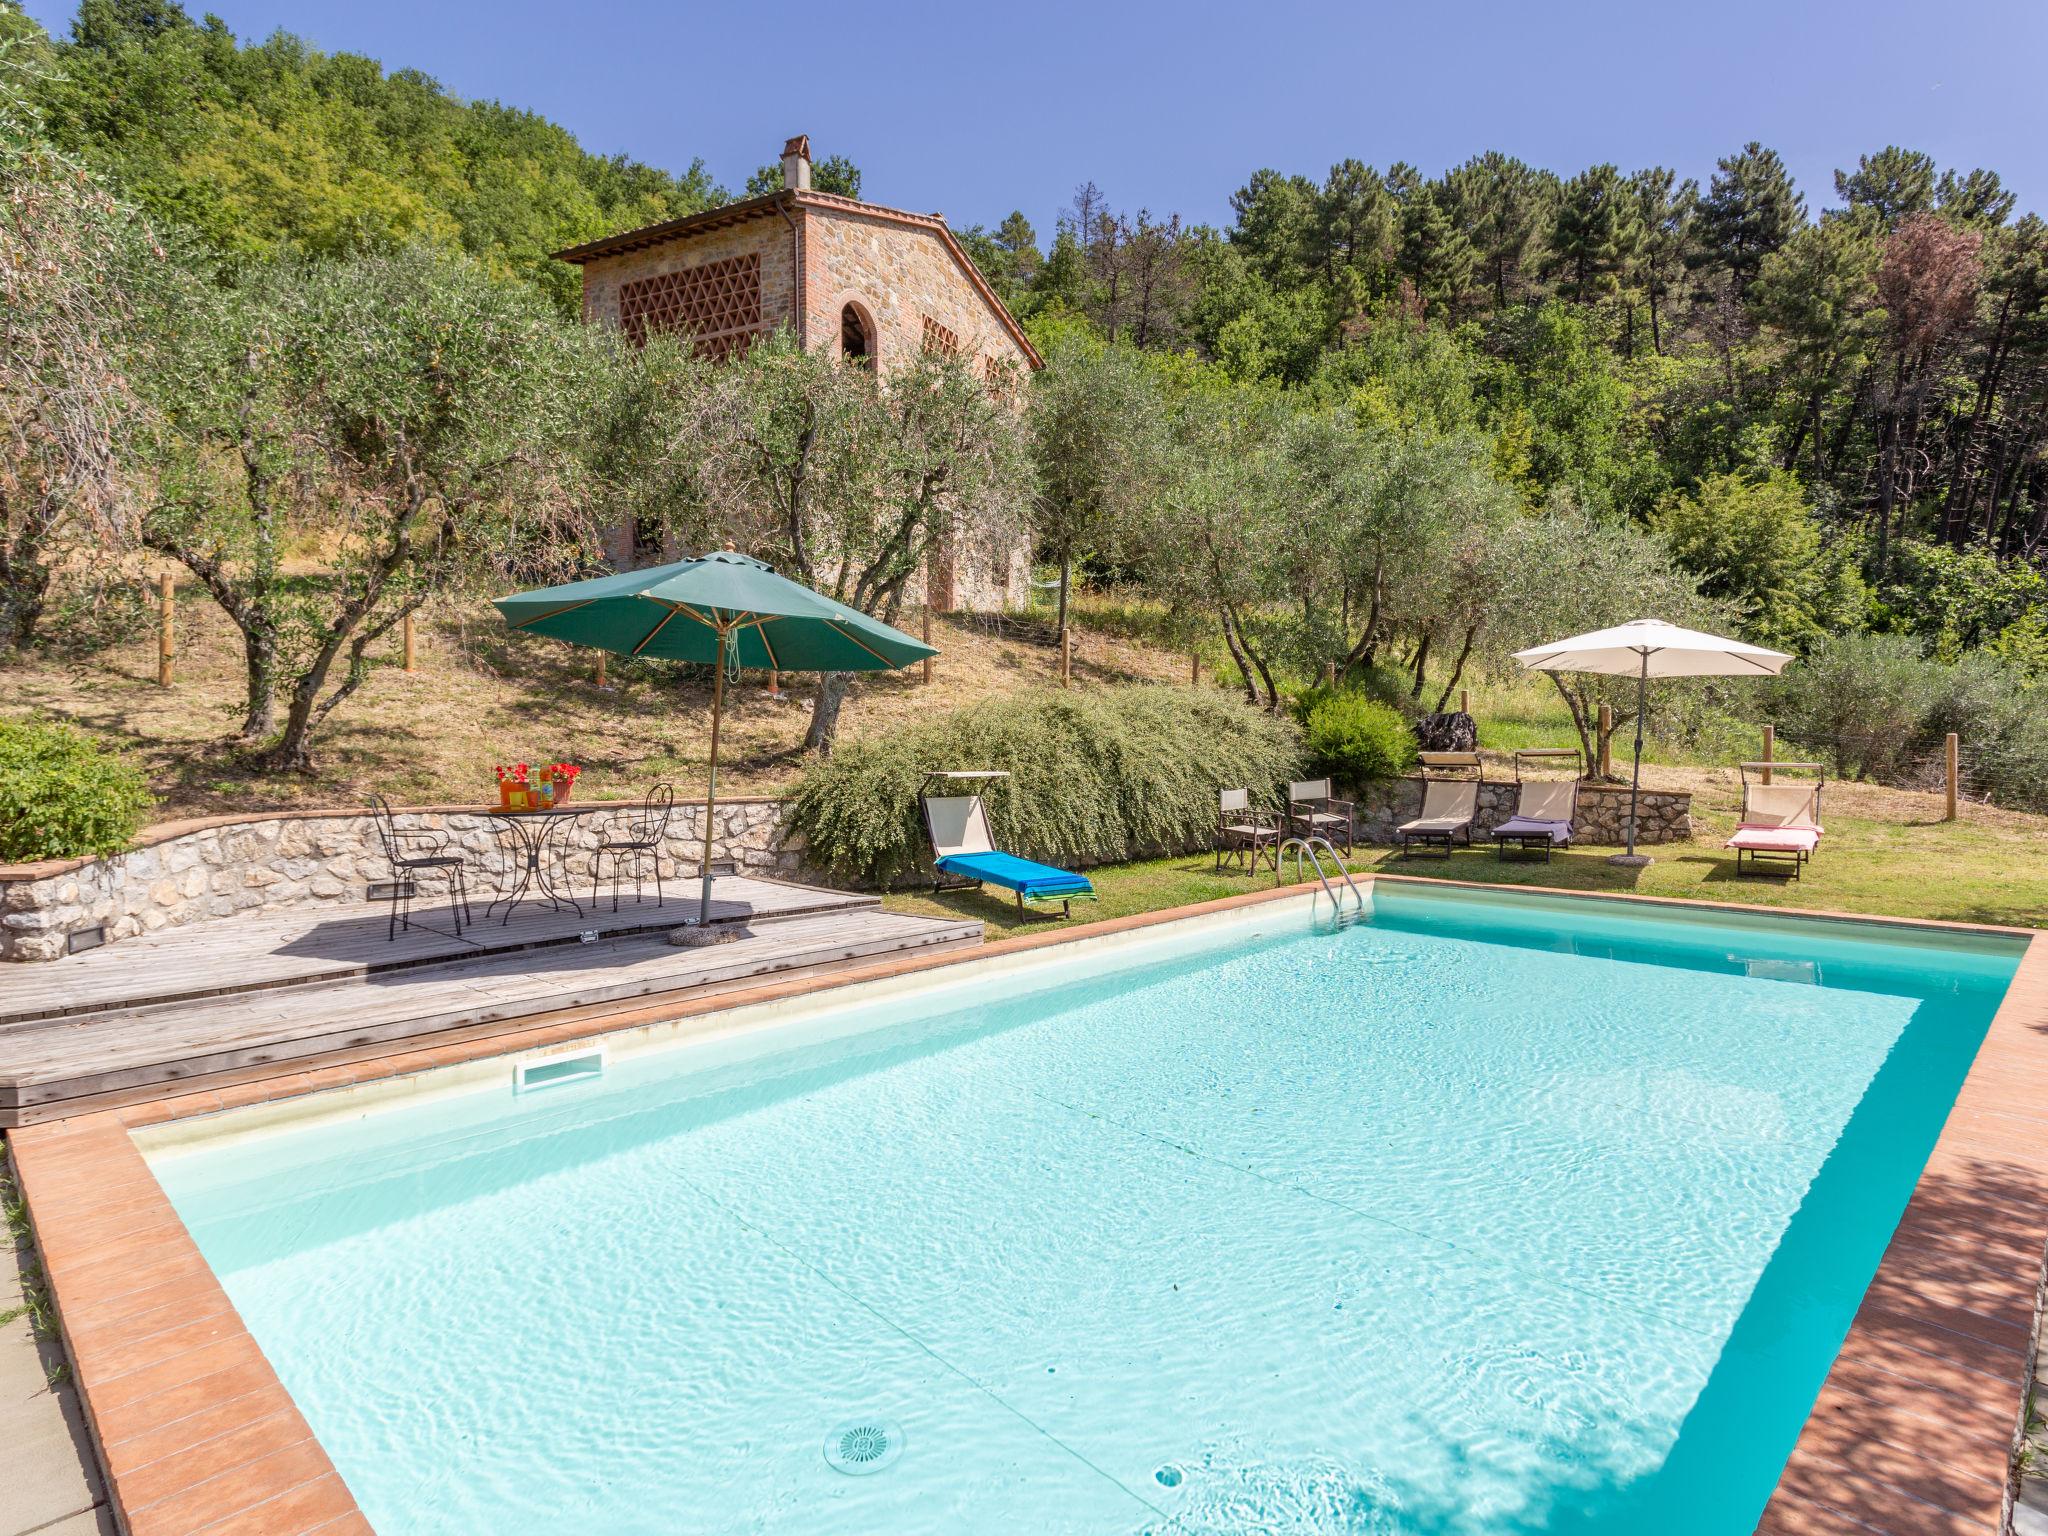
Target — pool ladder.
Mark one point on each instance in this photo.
(1305, 848)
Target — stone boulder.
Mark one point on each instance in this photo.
(1453, 731)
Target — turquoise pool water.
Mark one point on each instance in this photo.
(1488, 1215)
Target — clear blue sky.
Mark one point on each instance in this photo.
(974, 109)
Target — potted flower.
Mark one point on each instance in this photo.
(515, 791)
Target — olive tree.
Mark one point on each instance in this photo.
(852, 485)
(1097, 425)
(67, 255)
(403, 416)
(1216, 533)
(1565, 571)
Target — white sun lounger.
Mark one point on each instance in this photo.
(1780, 823)
(1448, 806)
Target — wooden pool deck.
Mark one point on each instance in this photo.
(211, 1004)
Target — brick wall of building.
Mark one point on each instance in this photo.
(766, 236)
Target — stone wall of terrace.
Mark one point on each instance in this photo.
(187, 872)
(1665, 816)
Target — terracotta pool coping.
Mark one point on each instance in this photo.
(1912, 1433)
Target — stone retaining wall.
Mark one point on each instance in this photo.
(191, 871)
(1665, 816)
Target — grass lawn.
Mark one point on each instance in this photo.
(1886, 852)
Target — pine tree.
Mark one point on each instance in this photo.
(1665, 209)
(1499, 204)
(1596, 233)
(1751, 208)
(1978, 198)
(1893, 184)
(1435, 256)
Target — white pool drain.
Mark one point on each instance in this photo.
(863, 1446)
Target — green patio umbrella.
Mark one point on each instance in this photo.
(725, 610)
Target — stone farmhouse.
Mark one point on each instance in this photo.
(876, 285)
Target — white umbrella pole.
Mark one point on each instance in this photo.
(711, 790)
(1635, 783)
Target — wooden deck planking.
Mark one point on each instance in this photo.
(341, 940)
(55, 1066)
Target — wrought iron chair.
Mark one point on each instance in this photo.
(407, 866)
(641, 834)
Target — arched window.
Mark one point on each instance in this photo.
(856, 337)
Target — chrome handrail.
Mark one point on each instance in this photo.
(1306, 846)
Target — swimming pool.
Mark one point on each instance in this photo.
(1493, 1213)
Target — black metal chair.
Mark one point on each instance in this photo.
(642, 833)
(407, 866)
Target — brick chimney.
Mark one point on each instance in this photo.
(796, 163)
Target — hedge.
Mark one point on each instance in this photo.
(64, 794)
(1100, 776)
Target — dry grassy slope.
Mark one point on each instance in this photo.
(481, 695)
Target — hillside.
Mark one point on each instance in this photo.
(278, 147)
(481, 695)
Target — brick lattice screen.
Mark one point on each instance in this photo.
(937, 338)
(718, 302)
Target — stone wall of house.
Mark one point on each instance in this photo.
(1665, 816)
(222, 866)
(899, 276)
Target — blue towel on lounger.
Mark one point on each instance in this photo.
(1037, 881)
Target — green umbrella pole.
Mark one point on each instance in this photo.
(711, 791)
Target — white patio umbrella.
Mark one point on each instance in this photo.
(1647, 648)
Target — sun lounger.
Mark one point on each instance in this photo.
(1780, 823)
(1448, 806)
(1542, 819)
(962, 848)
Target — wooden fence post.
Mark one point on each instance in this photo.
(600, 670)
(1464, 701)
(408, 642)
(1953, 775)
(1606, 737)
(1770, 750)
(1194, 668)
(928, 638)
(166, 635)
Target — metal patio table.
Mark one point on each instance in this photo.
(532, 837)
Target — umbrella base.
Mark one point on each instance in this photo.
(1628, 860)
(693, 937)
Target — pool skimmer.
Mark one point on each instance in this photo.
(863, 1446)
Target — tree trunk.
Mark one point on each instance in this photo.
(1066, 582)
(1458, 668)
(1589, 753)
(1237, 654)
(23, 590)
(825, 705)
(259, 662)
(1421, 666)
(24, 585)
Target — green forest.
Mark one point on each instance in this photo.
(1382, 422)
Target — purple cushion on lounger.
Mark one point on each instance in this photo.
(1524, 826)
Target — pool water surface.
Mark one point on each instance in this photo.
(1488, 1214)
